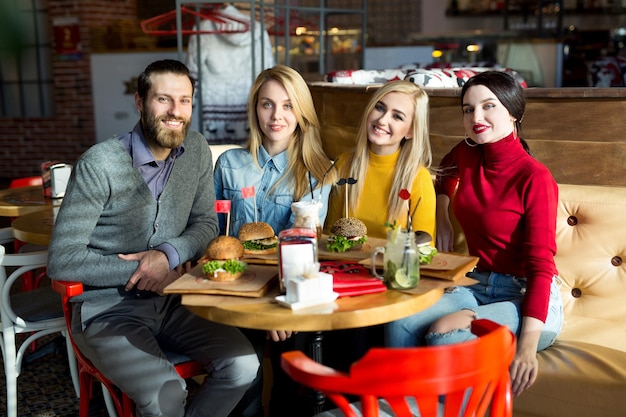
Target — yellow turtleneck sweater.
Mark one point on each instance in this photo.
(371, 208)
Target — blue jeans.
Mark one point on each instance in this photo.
(497, 297)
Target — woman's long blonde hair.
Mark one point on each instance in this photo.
(305, 153)
(415, 153)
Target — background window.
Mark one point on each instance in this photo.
(25, 63)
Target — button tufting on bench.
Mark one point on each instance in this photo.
(616, 260)
(572, 220)
(576, 292)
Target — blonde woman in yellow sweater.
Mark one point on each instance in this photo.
(392, 153)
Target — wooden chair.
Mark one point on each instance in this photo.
(117, 402)
(467, 378)
(31, 314)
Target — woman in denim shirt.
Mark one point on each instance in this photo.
(285, 162)
(283, 159)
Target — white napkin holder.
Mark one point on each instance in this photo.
(55, 176)
(301, 289)
(303, 292)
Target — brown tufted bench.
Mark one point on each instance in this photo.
(584, 372)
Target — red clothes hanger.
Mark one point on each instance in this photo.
(165, 24)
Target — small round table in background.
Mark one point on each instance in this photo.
(15, 202)
(36, 227)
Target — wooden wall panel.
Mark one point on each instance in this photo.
(578, 133)
(584, 119)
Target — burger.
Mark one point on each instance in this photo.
(258, 238)
(222, 259)
(347, 233)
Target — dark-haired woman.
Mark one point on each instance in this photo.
(506, 203)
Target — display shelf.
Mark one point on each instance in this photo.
(452, 11)
(544, 17)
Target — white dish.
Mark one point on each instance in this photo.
(309, 303)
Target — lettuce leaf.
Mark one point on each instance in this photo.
(342, 244)
(427, 253)
(231, 265)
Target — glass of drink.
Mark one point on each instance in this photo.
(401, 269)
(307, 215)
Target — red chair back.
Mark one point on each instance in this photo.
(88, 373)
(469, 378)
(26, 181)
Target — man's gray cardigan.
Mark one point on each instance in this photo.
(109, 210)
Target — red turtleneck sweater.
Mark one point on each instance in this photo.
(506, 203)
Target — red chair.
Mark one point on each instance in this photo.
(26, 182)
(88, 374)
(468, 378)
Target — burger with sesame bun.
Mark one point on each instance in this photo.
(347, 233)
(221, 259)
(258, 238)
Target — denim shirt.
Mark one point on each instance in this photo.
(235, 170)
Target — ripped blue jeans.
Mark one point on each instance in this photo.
(497, 297)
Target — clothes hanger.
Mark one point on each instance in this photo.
(165, 24)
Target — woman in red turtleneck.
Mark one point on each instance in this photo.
(506, 203)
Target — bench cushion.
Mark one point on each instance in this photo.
(576, 379)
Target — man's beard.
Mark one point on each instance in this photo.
(166, 138)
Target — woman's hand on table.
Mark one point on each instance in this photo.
(280, 335)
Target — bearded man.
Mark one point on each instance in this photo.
(137, 208)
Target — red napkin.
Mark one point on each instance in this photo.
(345, 288)
(351, 278)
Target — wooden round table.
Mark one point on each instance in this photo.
(34, 227)
(344, 313)
(264, 313)
(15, 202)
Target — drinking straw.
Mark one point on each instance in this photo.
(408, 226)
(311, 188)
(332, 165)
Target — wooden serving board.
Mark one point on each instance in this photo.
(449, 266)
(445, 265)
(271, 259)
(253, 283)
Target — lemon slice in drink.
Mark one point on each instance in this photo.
(402, 279)
(394, 234)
